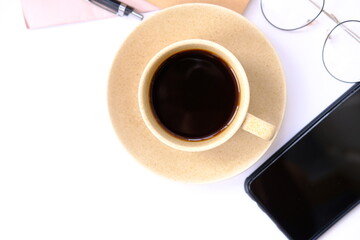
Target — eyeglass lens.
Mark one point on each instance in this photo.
(341, 52)
(291, 15)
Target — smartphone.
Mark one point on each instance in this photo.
(314, 179)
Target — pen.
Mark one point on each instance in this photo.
(116, 7)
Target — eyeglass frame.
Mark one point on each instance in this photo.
(332, 17)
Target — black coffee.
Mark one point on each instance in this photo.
(194, 95)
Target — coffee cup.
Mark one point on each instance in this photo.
(194, 95)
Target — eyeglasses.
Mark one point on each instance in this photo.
(341, 49)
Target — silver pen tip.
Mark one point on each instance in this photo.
(138, 15)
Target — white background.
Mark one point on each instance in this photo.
(65, 175)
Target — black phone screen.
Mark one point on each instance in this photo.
(316, 180)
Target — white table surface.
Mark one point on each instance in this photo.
(65, 175)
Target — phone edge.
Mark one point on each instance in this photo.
(297, 137)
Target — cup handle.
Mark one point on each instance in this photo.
(258, 127)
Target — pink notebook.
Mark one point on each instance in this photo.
(45, 13)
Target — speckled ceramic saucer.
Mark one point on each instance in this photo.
(203, 21)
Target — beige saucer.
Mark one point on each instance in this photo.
(209, 22)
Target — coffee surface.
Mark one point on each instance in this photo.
(194, 95)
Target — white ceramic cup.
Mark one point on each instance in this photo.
(241, 118)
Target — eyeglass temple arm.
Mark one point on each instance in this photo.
(333, 17)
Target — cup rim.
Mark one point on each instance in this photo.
(144, 95)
